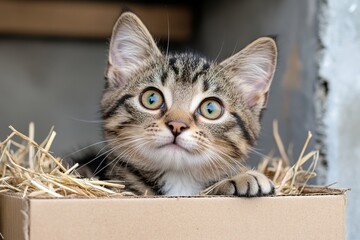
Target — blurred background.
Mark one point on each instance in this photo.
(53, 55)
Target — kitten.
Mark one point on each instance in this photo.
(176, 124)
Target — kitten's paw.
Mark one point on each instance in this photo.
(248, 184)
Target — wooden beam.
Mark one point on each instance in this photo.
(89, 19)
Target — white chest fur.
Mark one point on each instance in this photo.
(180, 184)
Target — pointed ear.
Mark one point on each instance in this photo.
(252, 70)
(131, 46)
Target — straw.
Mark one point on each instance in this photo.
(28, 168)
(289, 179)
(293, 180)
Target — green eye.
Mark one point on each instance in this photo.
(211, 109)
(152, 99)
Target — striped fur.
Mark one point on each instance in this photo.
(140, 146)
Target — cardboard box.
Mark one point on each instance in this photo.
(225, 218)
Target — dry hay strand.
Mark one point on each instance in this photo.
(293, 180)
(30, 169)
(289, 180)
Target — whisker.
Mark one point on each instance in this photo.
(218, 158)
(211, 161)
(257, 152)
(85, 120)
(115, 159)
(96, 157)
(110, 152)
(96, 171)
(236, 44)
(107, 151)
(84, 148)
(132, 151)
(233, 160)
(221, 48)
(168, 35)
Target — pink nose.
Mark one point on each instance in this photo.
(177, 127)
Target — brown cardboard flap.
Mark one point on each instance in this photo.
(13, 217)
(288, 217)
(300, 217)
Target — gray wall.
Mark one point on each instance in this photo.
(230, 25)
(52, 83)
(56, 82)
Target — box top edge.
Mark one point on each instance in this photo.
(26, 198)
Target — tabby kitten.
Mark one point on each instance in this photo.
(176, 124)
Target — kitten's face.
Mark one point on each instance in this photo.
(181, 112)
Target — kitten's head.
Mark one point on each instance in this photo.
(179, 111)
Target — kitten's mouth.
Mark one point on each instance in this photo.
(174, 147)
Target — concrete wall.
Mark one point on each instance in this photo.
(52, 83)
(339, 66)
(227, 26)
(55, 82)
